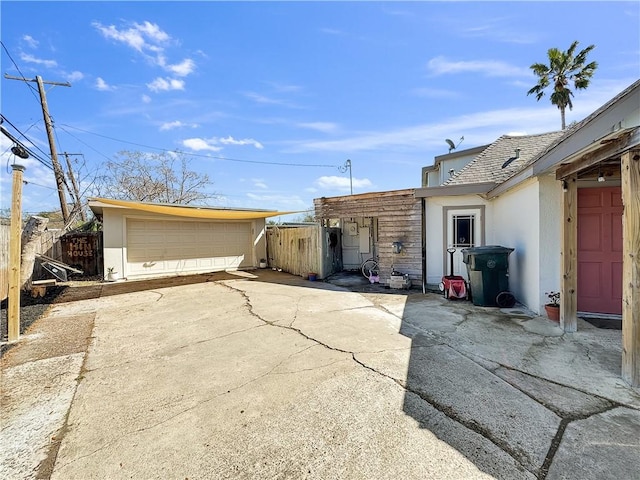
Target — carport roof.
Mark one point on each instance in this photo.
(188, 211)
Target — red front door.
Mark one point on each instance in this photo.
(600, 250)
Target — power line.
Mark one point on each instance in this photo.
(26, 182)
(5, 119)
(18, 142)
(31, 87)
(83, 142)
(201, 155)
(57, 170)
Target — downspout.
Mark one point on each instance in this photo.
(424, 244)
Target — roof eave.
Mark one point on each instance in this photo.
(454, 190)
(511, 182)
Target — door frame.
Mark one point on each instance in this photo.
(579, 280)
(480, 228)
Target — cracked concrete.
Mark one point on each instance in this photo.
(278, 377)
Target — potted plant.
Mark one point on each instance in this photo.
(112, 275)
(553, 307)
(263, 263)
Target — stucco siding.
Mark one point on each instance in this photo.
(435, 231)
(516, 218)
(115, 241)
(550, 238)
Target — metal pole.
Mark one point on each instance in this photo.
(348, 164)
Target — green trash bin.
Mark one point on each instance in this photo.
(488, 270)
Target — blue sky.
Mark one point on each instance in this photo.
(271, 98)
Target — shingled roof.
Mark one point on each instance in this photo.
(503, 158)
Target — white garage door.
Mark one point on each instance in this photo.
(175, 246)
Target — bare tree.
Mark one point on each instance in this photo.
(152, 177)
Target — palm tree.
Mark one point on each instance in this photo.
(563, 68)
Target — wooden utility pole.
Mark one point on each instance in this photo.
(630, 165)
(74, 184)
(57, 169)
(569, 281)
(13, 311)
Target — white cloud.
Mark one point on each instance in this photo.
(74, 76)
(478, 128)
(332, 31)
(341, 183)
(199, 144)
(171, 125)
(145, 99)
(136, 37)
(102, 85)
(326, 127)
(286, 88)
(30, 41)
(215, 142)
(165, 84)
(183, 68)
(25, 57)
(259, 183)
(256, 97)
(246, 141)
(490, 68)
(176, 124)
(150, 41)
(152, 31)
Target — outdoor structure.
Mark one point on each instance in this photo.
(459, 215)
(144, 240)
(447, 165)
(385, 226)
(304, 249)
(569, 204)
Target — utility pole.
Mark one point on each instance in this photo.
(13, 313)
(347, 165)
(57, 169)
(74, 184)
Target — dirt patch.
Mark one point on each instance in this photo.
(30, 310)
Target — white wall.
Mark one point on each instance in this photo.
(434, 224)
(528, 218)
(114, 236)
(515, 225)
(550, 238)
(441, 174)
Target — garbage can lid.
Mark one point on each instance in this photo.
(487, 249)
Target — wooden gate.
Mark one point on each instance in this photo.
(301, 250)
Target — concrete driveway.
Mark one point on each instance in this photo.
(272, 376)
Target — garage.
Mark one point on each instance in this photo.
(182, 246)
(146, 240)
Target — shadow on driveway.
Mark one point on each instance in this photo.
(506, 389)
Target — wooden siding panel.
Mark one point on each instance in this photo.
(296, 250)
(399, 218)
(48, 244)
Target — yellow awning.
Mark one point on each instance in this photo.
(187, 211)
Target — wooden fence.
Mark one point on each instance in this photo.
(49, 245)
(301, 250)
